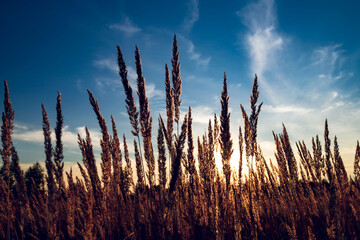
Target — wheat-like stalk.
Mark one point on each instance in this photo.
(145, 119)
(130, 102)
(58, 151)
(128, 168)
(139, 168)
(328, 154)
(289, 155)
(225, 135)
(176, 79)
(357, 163)
(255, 111)
(241, 145)
(169, 102)
(116, 154)
(104, 143)
(6, 132)
(48, 154)
(161, 157)
(313, 198)
(176, 164)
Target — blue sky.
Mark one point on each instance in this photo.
(306, 54)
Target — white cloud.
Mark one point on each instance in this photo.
(329, 78)
(114, 83)
(336, 105)
(29, 135)
(304, 89)
(328, 61)
(193, 54)
(19, 126)
(69, 138)
(334, 94)
(192, 16)
(107, 63)
(132, 75)
(286, 109)
(327, 56)
(153, 92)
(202, 114)
(259, 15)
(263, 41)
(110, 65)
(104, 84)
(127, 27)
(196, 56)
(264, 44)
(94, 134)
(125, 114)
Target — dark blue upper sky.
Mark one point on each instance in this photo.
(306, 54)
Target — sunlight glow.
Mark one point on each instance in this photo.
(234, 162)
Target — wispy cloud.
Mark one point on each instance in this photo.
(328, 61)
(202, 114)
(29, 135)
(287, 109)
(104, 84)
(265, 45)
(192, 16)
(69, 138)
(127, 27)
(95, 135)
(299, 91)
(107, 63)
(327, 56)
(114, 82)
(153, 92)
(131, 74)
(79, 85)
(110, 65)
(20, 126)
(194, 55)
(335, 105)
(263, 41)
(259, 15)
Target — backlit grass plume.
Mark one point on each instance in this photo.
(49, 164)
(225, 135)
(176, 79)
(145, 119)
(176, 164)
(58, 151)
(104, 143)
(130, 102)
(169, 102)
(6, 132)
(304, 196)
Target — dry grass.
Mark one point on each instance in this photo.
(313, 198)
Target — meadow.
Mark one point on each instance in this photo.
(175, 192)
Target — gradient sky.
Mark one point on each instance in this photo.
(306, 54)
